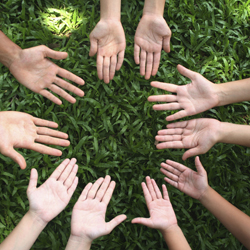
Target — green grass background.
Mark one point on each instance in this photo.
(112, 128)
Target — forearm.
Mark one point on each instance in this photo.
(231, 217)
(76, 243)
(9, 51)
(155, 7)
(25, 233)
(175, 238)
(110, 9)
(232, 92)
(234, 134)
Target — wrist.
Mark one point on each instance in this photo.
(155, 7)
(205, 195)
(169, 230)
(37, 219)
(110, 10)
(76, 242)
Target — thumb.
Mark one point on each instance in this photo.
(93, 46)
(116, 221)
(198, 165)
(15, 156)
(166, 43)
(58, 55)
(191, 152)
(33, 180)
(143, 221)
(186, 72)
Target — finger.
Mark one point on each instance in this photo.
(93, 45)
(137, 53)
(199, 167)
(186, 72)
(70, 76)
(169, 106)
(99, 65)
(176, 165)
(85, 192)
(44, 123)
(143, 56)
(157, 58)
(67, 170)
(143, 221)
(171, 182)
(45, 149)
(58, 55)
(120, 59)
(168, 138)
(165, 86)
(116, 221)
(106, 66)
(150, 188)
(33, 180)
(51, 132)
(107, 196)
(169, 131)
(170, 175)
(162, 98)
(171, 169)
(149, 67)
(178, 124)
(66, 85)
(178, 115)
(146, 193)
(112, 67)
(72, 188)
(171, 144)
(58, 171)
(192, 152)
(52, 141)
(15, 156)
(94, 188)
(166, 43)
(54, 88)
(156, 189)
(50, 96)
(165, 192)
(102, 190)
(69, 181)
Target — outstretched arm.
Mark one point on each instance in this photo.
(46, 202)
(199, 95)
(152, 34)
(88, 216)
(195, 185)
(162, 216)
(108, 40)
(32, 68)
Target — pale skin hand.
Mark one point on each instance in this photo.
(162, 215)
(198, 135)
(108, 41)
(152, 34)
(193, 98)
(19, 130)
(47, 201)
(88, 216)
(35, 71)
(192, 183)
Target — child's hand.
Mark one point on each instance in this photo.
(88, 216)
(161, 212)
(47, 201)
(185, 179)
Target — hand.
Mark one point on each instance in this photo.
(38, 73)
(185, 179)
(19, 130)
(194, 98)
(88, 216)
(108, 40)
(47, 201)
(161, 212)
(152, 34)
(199, 135)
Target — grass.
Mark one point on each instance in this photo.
(112, 128)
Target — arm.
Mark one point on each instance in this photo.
(195, 184)
(199, 135)
(32, 68)
(46, 202)
(108, 40)
(88, 215)
(152, 34)
(162, 216)
(21, 130)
